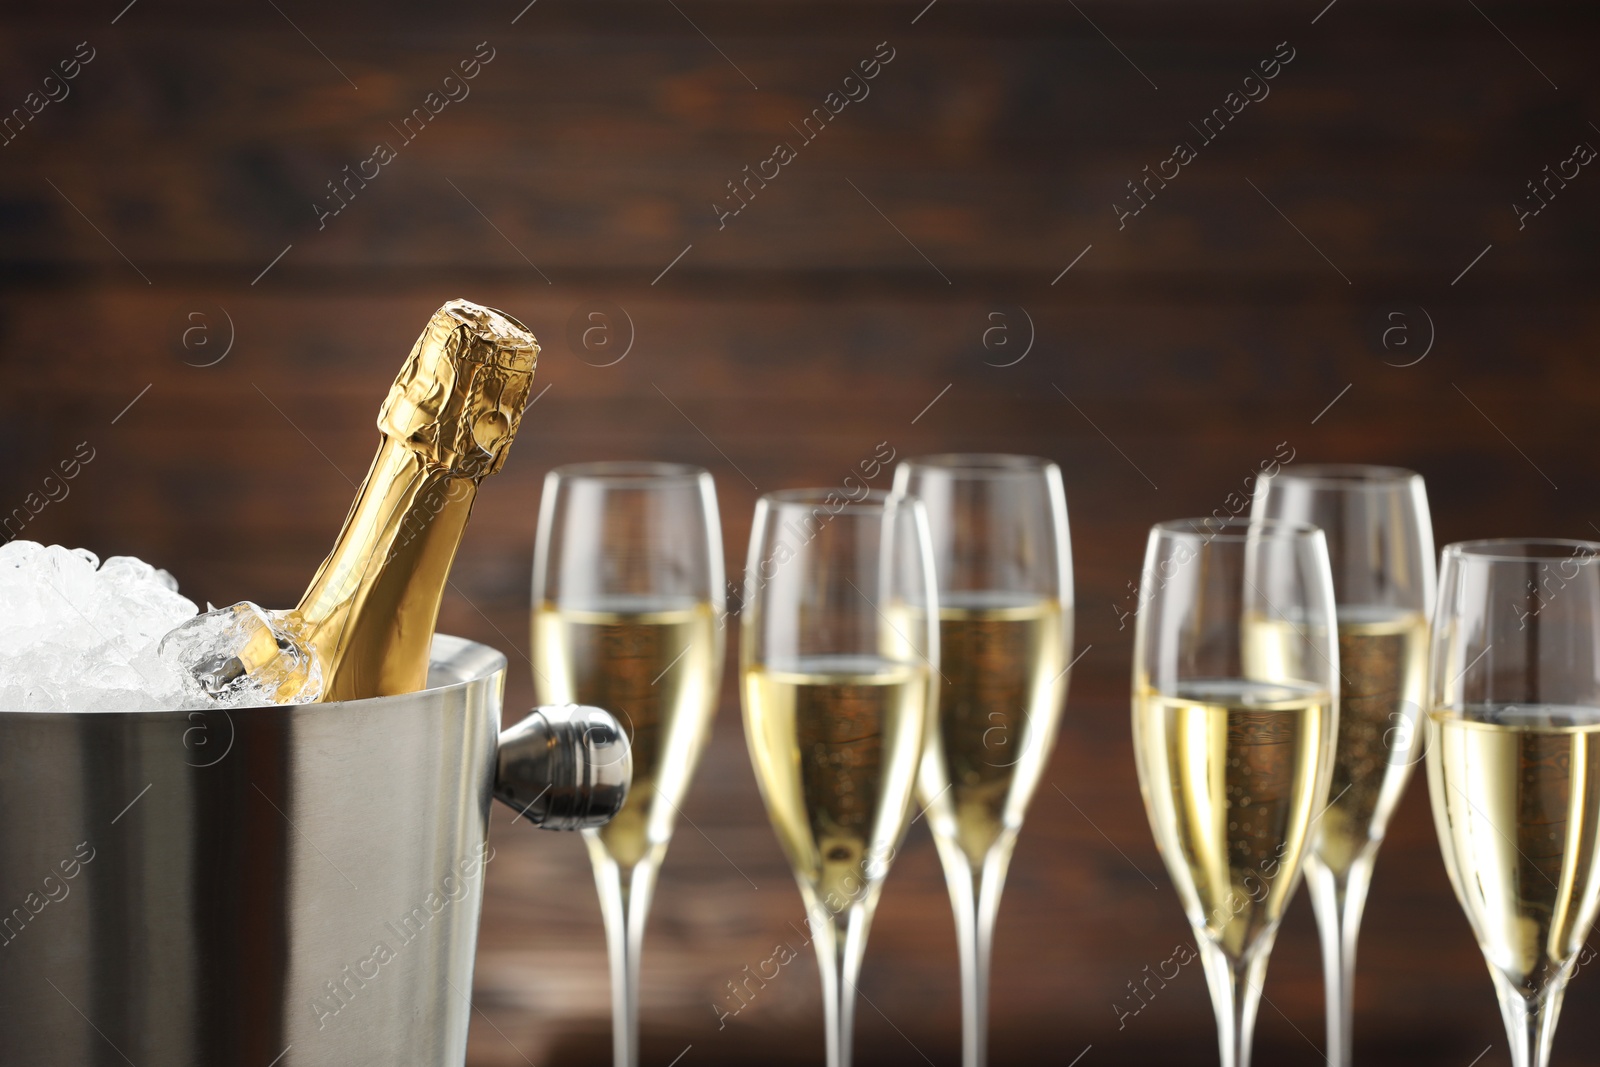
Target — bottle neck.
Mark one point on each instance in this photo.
(370, 612)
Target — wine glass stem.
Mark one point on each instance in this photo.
(975, 899)
(841, 942)
(1338, 898)
(1235, 993)
(1530, 1017)
(624, 905)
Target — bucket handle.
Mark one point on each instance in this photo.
(564, 767)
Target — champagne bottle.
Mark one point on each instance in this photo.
(365, 624)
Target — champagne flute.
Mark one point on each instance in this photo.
(1004, 565)
(627, 596)
(1235, 709)
(1514, 764)
(838, 653)
(1380, 546)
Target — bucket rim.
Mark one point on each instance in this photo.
(470, 662)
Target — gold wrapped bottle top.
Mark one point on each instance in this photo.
(459, 398)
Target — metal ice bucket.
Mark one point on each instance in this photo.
(271, 887)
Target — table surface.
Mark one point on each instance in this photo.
(1347, 267)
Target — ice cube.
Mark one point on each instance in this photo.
(243, 656)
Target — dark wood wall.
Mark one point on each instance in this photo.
(1341, 268)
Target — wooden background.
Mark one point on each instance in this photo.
(847, 305)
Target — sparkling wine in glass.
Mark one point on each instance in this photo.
(1514, 764)
(627, 595)
(839, 655)
(1380, 547)
(1004, 564)
(1235, 711)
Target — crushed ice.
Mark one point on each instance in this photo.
(79, 635)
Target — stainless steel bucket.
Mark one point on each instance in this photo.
(270, 887)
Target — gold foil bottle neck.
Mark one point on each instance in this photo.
(449, 420)
(458, 400)
(365, 625)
